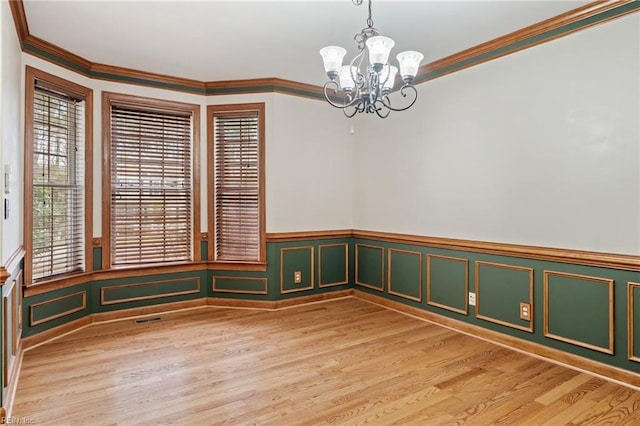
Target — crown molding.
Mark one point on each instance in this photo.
(19, 19)
(261, 85)
(594, 13)
(559, 26)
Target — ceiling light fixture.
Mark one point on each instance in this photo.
(366, 89)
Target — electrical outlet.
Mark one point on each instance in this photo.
(472, 299)
(297, 277)
(525, 311)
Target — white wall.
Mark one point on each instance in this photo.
(309, 167)
(11, 147)
(540, 147)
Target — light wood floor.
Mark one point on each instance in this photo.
(341, 362)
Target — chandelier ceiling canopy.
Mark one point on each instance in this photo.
(365, 86)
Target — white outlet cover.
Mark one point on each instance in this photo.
(472, 299)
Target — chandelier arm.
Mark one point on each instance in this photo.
(349, 102)
(387, 104)
(358, 78)
(379, 111)
(356, 109)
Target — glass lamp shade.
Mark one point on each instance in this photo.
(379, 49)
(409, 62)
(346, 77)
(388, 77)
(332, 57)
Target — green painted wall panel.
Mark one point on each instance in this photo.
(50, 309)
(500, 291)
(370, 266)
(254, 276)
(539, 266)
(405, 274)
(158, 292)
(333, 264)
(241, 285)
(448, 283)
(297, 259)
(579, 310)
(97, 258)
(204, 250)
(121, 293)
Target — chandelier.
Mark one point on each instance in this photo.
(355, 88)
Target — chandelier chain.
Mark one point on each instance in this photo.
(370, 19)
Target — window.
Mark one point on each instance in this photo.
(236, 177)
(57, 176)
(150, 189)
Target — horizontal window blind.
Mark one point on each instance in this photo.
(237, 185)
(151, 194)
(58, 184)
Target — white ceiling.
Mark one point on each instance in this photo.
(230, 40)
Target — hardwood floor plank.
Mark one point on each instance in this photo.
(337, 362)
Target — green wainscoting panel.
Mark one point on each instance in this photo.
(333, 264)
(500, 288)
(633, 321)
(296, 260)
(97, 258)
(404, 272)
(58, 307)
(240, 285)
(370, 266)
(447, 286)
(578, 309)
(448, 283)
(246, 285)
(123, 293)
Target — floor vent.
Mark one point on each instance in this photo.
(144, 320)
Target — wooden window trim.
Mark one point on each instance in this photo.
(75, 90)
(108, 99)
(228, 265)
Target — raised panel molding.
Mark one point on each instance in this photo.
(392, 276)
(35, 306)
(344, 279)
(261, 288)
(365, 281)
(631, 320)
(105, 300)
(287, 284)
(500, 317)
(572, 307)
(432, 283)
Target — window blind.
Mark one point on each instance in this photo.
(151, 194)
(58, 184)
(237, 185)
